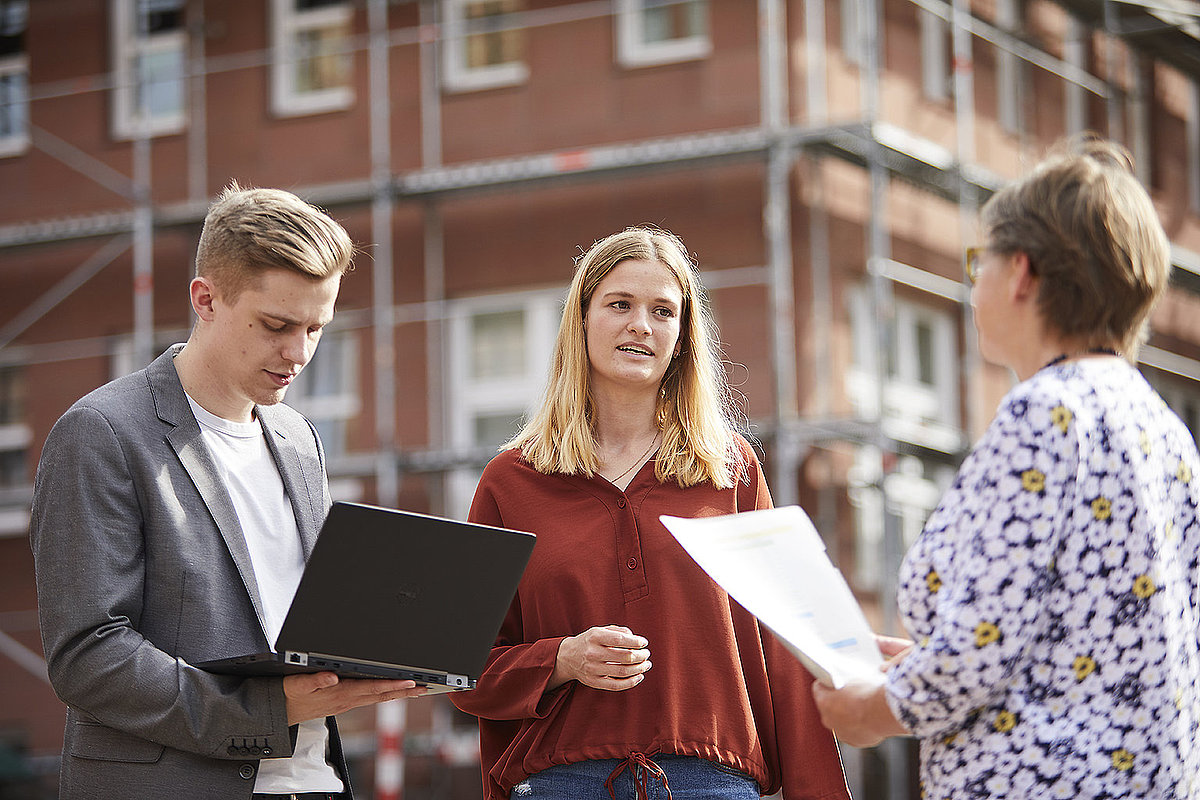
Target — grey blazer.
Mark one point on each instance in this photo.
(142, 569)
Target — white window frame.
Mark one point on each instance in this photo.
(936, 74)
(456, 75)
(340, 348)
(126, 48)
(634, 51)
(908, 495)
(927, 415)
(286, 24)
(18, 142)
(517, 394)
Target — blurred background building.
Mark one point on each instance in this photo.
(823, 159)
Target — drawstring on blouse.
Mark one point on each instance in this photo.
(641, 768)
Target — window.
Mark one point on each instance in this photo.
(326, 391)
(910, 493)
(483, 48)
(14, 78)
(500, 348)
(313, 64)
(1181, 395)
(149, 44)
(921, 403)
(661, 31)
(935, 55)
(15, 435)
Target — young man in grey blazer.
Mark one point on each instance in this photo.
(172, 514)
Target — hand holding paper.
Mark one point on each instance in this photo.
(773, 562)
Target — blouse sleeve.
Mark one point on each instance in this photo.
(513, 683)
(997, 533)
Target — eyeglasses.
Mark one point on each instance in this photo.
(971, 262)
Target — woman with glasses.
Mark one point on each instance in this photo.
(636, 422)
(1052, 597)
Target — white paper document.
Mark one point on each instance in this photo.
(773, 562)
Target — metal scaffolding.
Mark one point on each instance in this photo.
(1168, 28)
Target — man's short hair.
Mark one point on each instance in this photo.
(249, 231)
(1093, 238)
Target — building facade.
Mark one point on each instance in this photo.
(823, 160)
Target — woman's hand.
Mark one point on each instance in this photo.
(612, 658)
(858, 713)
(893, 648)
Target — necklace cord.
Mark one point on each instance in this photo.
(640, 459)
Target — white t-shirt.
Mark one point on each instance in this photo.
(249, 473)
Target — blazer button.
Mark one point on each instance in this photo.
(266, 751)
(246, 771)
(631, 563)
(620, 502)
(232, 750)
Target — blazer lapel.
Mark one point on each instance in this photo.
(185, 438)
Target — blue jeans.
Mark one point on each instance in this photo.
(690, 778)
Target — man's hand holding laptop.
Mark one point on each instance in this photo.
(322, 694)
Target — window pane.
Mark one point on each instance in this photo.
(320, 64)
(486, 44)
(666, 20)
(162, 81)
(159, 16)
(493, 430)
(498, 345)
(925, 353)
(12, 396)
(14, 104)
(14, 16)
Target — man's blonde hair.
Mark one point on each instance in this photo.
(1093, 239)
(249, 231)
(695, 409)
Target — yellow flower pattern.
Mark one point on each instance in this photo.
(933, 581)
(986, 633)
(1074, 514)
(1143, 586)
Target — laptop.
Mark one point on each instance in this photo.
(394, 594)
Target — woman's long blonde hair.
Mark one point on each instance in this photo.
(695, 409)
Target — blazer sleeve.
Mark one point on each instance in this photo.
(89, 547)
(513, 683)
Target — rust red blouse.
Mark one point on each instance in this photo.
(720, 688)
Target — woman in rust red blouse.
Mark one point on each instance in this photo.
(636, 422)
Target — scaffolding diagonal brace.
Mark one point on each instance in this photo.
(63, 289)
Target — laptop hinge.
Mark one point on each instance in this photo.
(292, 657)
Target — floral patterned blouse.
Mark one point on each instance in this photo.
(1053, 597)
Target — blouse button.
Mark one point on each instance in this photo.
(620, 502)
(631, 563)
